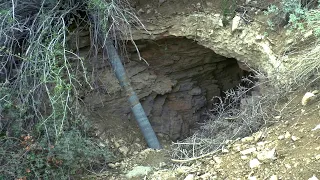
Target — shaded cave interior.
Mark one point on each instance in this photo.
(175, 81)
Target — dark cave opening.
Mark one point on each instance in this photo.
(189, 76)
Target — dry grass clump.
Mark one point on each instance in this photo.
(240, 113)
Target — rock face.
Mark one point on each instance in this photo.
(175, 84)
(186, 60)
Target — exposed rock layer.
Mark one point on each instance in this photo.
(174, 88)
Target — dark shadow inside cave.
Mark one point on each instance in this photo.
(175, 79)
(187, 77)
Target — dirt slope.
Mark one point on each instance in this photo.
(289, 149)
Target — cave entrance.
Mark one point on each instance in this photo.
(185, 77)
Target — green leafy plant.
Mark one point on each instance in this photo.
(228, 10)
(295, 15)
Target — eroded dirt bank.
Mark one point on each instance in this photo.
(189, 55)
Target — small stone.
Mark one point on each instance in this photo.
(247, 139)
(277, 117)
(307, 34)
(254, 163)
(102, 145)
(288, 166)
(262, 143)
(111, 165)
(287, 135)
(281, 137)
(138, 171)
(162, 164)
(252, 178)
(294, 138)
(138, 146)
(248, 151)
(116, 144)
(237, 147)
(206, 176)
(140, 11)
(244, 157)
(316, 128)
(183, 169)
(274, 177)
(135, 152)
(124, 150)
(259, 37)
(258, 136)
(235, 22)
(117, 164)
(160, 135)
(317, 157)
(149, 11)
(313, 178)
(189, 177)
(217, 160)
(307, 98)
(225, 150)
(220, 23)
(267, 155)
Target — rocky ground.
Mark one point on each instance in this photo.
(289, 149)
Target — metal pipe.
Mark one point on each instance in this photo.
(136, 106)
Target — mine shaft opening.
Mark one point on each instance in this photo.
(186, 76)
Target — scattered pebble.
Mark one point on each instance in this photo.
(252, 178)
(235, 23)
(116, 144)
(277, 117)
(189, 177)
(248, 151)
(247, 139)
(287, 135)
(183, 169)
(254, 163)
(316, 128)
(225, 150)
(294, 138)
(313, 178)
(138, 171)
(259, 37)
(258, 136)
(267, 155)
(307, 98)
(288, 166)
(244, 157)
(281, 137)
(217, 160)
(274, 177)
(111, 165)
(206, 176)
(124, 150)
